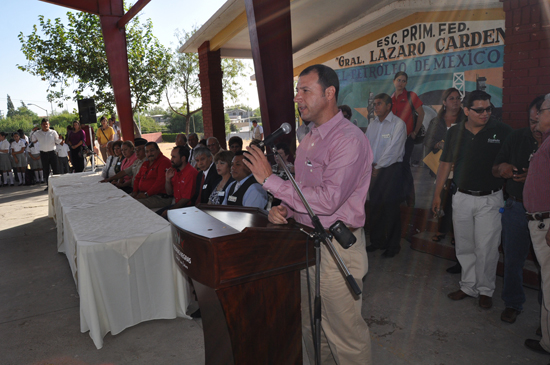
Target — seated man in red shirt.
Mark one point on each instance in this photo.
(180, 180)
(149, 186)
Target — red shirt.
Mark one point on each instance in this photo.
(402, 108)
(151, 177)
(184, 182)
(536, 192)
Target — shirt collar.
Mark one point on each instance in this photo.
(325, 129)
(208, 169)
(243, 180)
(389, 117)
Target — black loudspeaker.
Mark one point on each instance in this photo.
(86, 111)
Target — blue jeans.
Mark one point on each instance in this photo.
(516, 242)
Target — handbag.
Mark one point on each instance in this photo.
(422, 131)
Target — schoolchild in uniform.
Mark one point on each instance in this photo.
(36, 162)
(5, 162)
(20, 160)
(62, 151)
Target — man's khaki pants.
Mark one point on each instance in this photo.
(345, 337)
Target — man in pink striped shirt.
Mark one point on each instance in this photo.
(333, 169)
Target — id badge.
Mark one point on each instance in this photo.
(232, 199)
(204, 186)
(221, 193)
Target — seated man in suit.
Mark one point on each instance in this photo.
(207, 177)
(245, 191)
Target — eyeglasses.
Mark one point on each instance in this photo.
(489, 110)
(541, 110)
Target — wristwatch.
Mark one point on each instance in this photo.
(146, 195)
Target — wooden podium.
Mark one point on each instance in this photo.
(246, 273)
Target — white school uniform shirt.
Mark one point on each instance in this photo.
(4, 145)
(62, 151)
(47, 139)
(35, 149)
(18, 146)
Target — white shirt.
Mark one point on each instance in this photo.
(4, 145)
(62, 150)
(116, 129)
(18, 146)
(47, 139)
(257, 132)
(35, 149)
(192, 155)
(387, 139)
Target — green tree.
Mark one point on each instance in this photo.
(186, 80)
(74, 54)
(11, 108)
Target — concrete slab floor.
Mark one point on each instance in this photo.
(410, 318)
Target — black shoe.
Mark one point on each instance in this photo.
(372, 248)
(535, 346)
(509, 315)
(387, 254)
(456, 269)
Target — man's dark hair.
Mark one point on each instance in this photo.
(154, 144)
(236, 139)
(193, 135)
(183, 136)
(537, 103)
(256, 142)
(243, 153)
(476, 95)
(385, 98)
(183, 151)
(345, 109)
(44, 120)
(117, 143)
(401, 73)
(327, 77)
(284, 147)
(254, 121)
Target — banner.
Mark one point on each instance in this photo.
(436, 56)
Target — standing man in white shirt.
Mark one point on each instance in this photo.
(387, 135)
(47, 138)
(193, 141)
(257, 131)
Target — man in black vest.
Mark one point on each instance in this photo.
(245, 190)
(208, 177)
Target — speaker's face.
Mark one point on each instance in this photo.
(45, 125)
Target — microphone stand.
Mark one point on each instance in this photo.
(320, 234)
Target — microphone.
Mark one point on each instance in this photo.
(285, 128)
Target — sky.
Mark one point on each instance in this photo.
(21, 15)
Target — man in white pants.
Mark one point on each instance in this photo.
(472, 146)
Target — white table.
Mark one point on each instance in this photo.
(121, 257)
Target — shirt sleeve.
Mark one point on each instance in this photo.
(337, 183)
(159, 184)
(504, 153)
(255, 196)
(396, 148)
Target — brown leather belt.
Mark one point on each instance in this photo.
(537, 216)
(478, 193)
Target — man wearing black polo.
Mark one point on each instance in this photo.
(512, 164)
(472, 146)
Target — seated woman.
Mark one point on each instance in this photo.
(128, 151)
(222, 160)
(284, 151)
(114, 157)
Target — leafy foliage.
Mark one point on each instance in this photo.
(186, 81)
(11, 108)
(74, 55)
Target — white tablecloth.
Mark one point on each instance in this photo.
(121, 258)
(79, 179)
